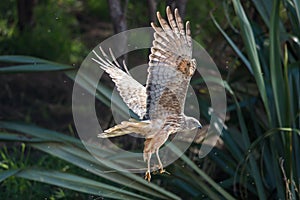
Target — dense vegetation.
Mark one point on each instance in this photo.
(256, 47)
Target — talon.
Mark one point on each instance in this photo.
(162, 170)
(148, 176)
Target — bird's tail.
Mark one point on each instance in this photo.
(126, 127)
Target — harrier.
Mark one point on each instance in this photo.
(159, 104)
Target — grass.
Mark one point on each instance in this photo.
(20, 156)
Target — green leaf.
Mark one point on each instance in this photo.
(71, 150)
(17, 137)
(278, 83)
(39, 132)
(250, 44)
(35, 68)
(8, 173)
(22, 59)
(233, 45)
(78, 183)
(271, 133)
(254, 170)
(32, 64)
(263, 7)
(209, 180)
(105, 169)
(297, 8)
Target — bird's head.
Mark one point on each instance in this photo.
(191, 123)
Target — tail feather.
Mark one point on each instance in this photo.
(126, 127)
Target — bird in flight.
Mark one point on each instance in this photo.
(159, 104)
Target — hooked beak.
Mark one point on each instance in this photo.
(200, 126)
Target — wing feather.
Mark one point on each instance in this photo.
(170, 67)
(132, 92)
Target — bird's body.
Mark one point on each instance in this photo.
(159, 105)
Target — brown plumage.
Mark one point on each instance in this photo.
(160, 105)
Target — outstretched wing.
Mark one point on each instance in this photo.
(170, 67)
(132, 92)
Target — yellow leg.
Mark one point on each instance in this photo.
(148, 174)
(161, 167)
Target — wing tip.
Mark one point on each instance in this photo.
(102, 135)
(168, 10)
(158, 15)
(153, 25)
(176, 11)
(187, 26)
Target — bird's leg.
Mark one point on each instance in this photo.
(161, 167)
(148, 175)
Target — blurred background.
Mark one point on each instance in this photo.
(255, 45)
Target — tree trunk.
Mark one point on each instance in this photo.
(117, 15)
(25, 14)
(152, 6)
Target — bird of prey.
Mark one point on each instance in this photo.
(159, 104)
